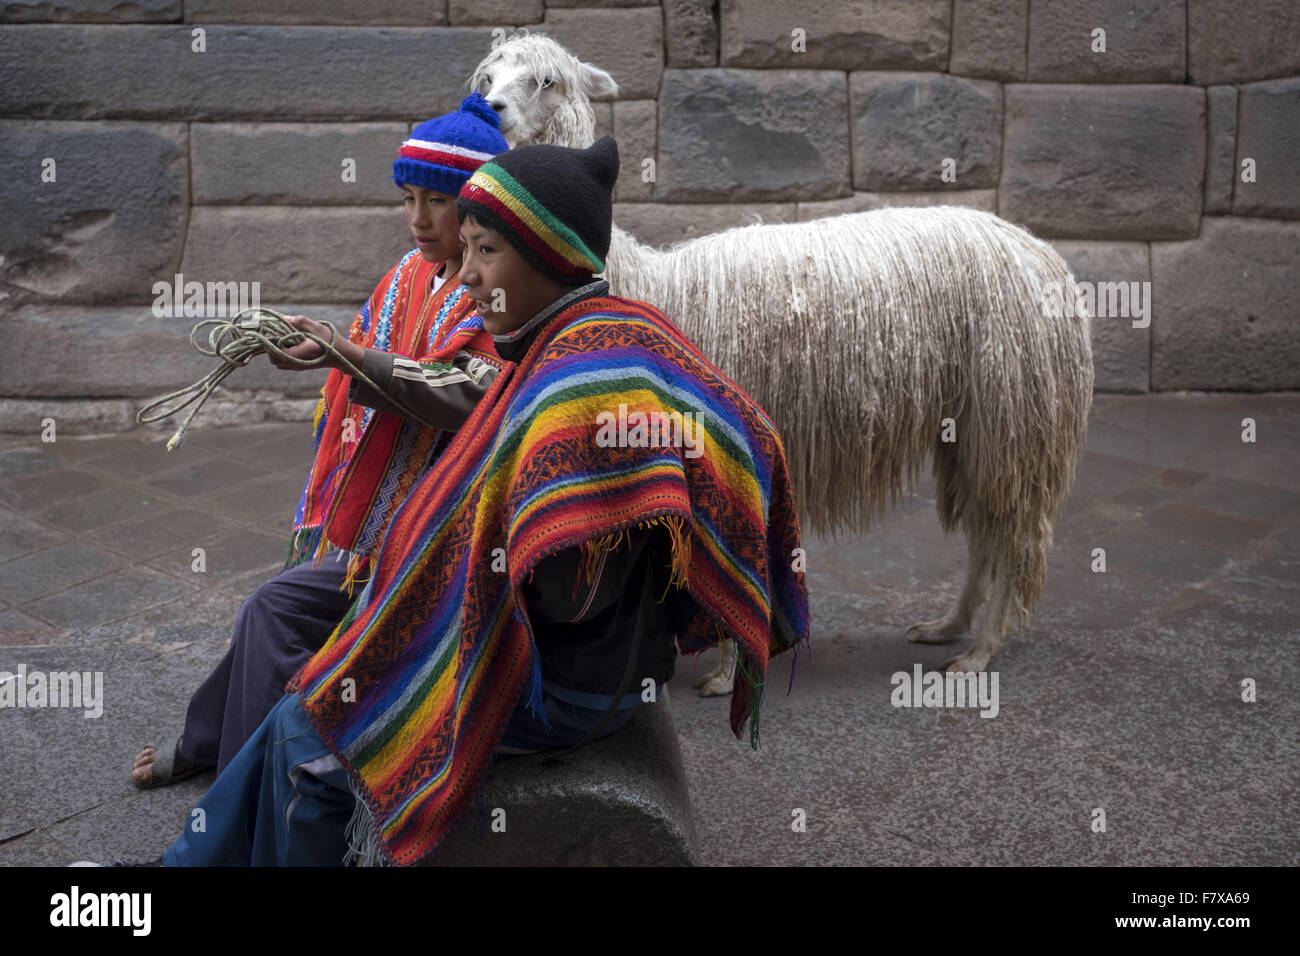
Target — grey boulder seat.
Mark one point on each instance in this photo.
(619, 801)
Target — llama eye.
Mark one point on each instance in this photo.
(547, 82)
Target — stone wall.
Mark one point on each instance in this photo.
(1171, 157)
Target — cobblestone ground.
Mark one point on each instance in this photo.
(1124, 694)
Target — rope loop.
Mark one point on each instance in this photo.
(236, 342)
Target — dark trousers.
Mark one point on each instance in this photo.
(278, 629)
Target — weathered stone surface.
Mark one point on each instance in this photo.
(1229, 43)
(247, 72)
(1227, 306)
(752, 135)
(1269, 132)
(90, 11)
(628, 44)
(905, 125)
(1144, 41)
(619, 801)
(867, 35)
(1120, 353)
(136, 353)
(985, 199)
(114, 213)
(658, 224)
(588, 4)
(294, 163)
(71, 416)
(1114, 162)
(304, 254)
(344, 12)
(988, 38)
(635, 130)
(495, 13)
(1221, 148)
(690, 33)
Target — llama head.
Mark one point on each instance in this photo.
(541, 91)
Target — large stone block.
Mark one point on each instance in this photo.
(1121, 353)
(246, 72)
(866, 35)
(906, 125)
(296, 253)
(114, 212)
(752, 135)
(690, 33)
(657, 224)
(628, 44)
(294, 163)
(1221, 148)
(1268, 132)
(1144, 41)
(1231, 43)
(495, 13)
(135, 352)
(635, 130)
(344, 12)
(1114, 162)
(1228, 308)
(619, 801)
(91, 11)
(71, 416)
(983, 199)
(988, 38)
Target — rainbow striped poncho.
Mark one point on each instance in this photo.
(414, 689)
(366, 461)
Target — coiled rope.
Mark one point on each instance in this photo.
(237, 341)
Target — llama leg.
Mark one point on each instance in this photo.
(992, 629)
(720, 681)
(963, 611)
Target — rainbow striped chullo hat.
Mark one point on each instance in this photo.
(554, 204)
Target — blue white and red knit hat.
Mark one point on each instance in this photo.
(445, 151)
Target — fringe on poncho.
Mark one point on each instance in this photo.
(414, 689)
(367, 461)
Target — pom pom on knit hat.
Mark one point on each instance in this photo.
(555, 205)
(443, 152)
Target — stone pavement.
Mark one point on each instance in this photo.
(1124, 693)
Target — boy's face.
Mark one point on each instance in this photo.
(507, 289)
(432, 218)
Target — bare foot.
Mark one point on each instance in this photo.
(142, 769)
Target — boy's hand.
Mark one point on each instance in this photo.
(307, 351)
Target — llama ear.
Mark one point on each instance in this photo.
(597, 84)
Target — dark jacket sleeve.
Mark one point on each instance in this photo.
(585, 631)
(444, 396)
(560, 594)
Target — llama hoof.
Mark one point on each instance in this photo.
(967, 663)
(711, 686)
(933, 632)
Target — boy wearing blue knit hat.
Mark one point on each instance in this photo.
(419, 341)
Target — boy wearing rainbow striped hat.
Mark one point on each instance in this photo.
(418, 338)
(547, 562)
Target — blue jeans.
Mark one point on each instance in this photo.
(285, 800)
